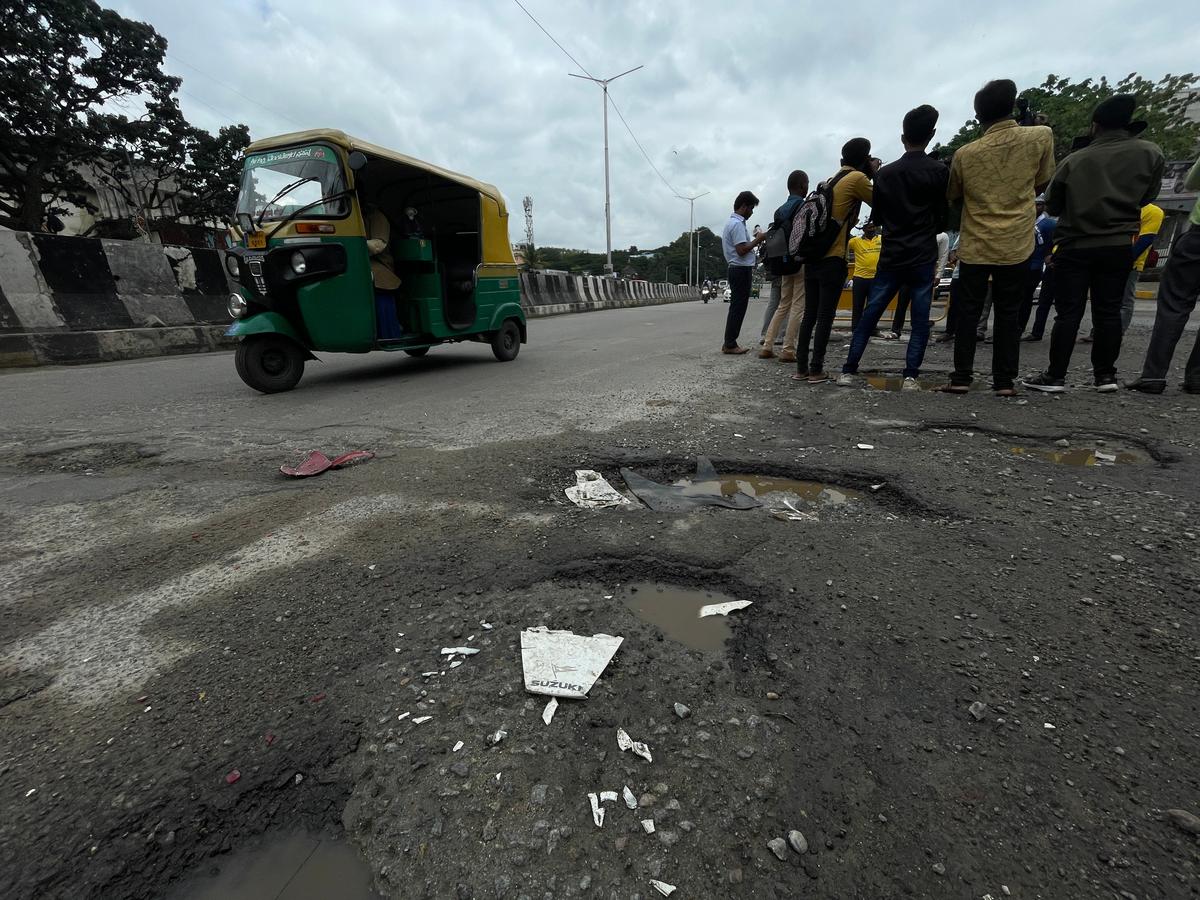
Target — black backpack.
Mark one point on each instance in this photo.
(814, 229)
(776, 256)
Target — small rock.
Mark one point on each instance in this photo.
(682, 711)
(978, 710)
(1062, 442)
(461, 769)
(779, 847)
(745, 753)
(538, 795)
(1116, 557)
(798, 842)
(771, 695)
(939, 869)
(1184, 820)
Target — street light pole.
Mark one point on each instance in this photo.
(692, 234)
(604, 82)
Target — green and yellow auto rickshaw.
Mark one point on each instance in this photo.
(343, 246)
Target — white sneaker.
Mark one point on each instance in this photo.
(845, 380)
(910, 384)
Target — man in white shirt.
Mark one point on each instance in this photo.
(739, 254)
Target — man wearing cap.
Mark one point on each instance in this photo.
(739, 254)
(824, 280)
(996, 179)
(866, 258)
(1097, 194)
(1177, 294)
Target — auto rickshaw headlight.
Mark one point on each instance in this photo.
(231, 265)
(298, 263)
(237, 306)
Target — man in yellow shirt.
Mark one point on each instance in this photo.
(996, 179)
(866, 258)
(1151, 223)
(824, 280)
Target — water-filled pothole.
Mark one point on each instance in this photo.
(1089, 454)
(675, 611)
(768, 487)
(295, 866)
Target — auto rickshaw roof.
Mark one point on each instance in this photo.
(348, 143)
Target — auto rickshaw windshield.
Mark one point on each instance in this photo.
(278, 182)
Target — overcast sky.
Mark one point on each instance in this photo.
(728, 100)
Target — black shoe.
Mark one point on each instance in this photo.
(1107, 385)
(944, 339)
(1146, 386)
(1191, 388)
(1045, 383)
(1031, 338)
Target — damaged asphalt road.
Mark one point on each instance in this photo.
(977, 677)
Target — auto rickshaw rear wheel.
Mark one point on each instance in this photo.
(270, 362)
(506, 343)
(417, 351)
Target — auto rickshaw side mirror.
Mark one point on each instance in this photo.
(358, 161)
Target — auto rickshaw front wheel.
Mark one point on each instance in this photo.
(506, 343)
(270, 362)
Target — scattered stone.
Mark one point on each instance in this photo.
(798, 842)
(538, 795)
(939, 869)
(978, 710)
(778, 846)
(771, 695)
(745, 753)
(1116, 557)
(461, 769)
(1062, 442)
(682, 711)
(1184, 820)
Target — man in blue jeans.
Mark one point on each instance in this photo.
(910, 205)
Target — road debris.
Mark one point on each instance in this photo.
(497, 736)
(564, 664)
(592, 491)
(551, 708)
(662, 887)
(865, 446)
(798, 842)
(1183, 820)
(459, 651)
(779, 847)
(421, 719)
(402, 716)
(597, 801)
(315, 462)
(724, 609)
(625, 742)
(457, 747)
(32, 791)
(630, 800)
(705, 489)
(978, 710)
(233, 777)
(648, 826)
(682, 711)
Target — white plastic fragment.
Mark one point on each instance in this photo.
(564, 664)
(419, 719)
(630, 800)
(608, 796)
(625, 742)
(591, 491)
(31, 792)
(865, 446)
(457, 747)
(427, 674)
(723, 609)
(402, 717)
(487, 626)
(498, 735)
(597, 810)
(648, 826)
(662, 887)
(1048, 727)
(876, 487)
(462, 651)
(456, 664)
(548, 712)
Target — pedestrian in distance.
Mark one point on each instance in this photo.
(791, 285)
(910, 205)
(741, 259)
(1097, 194)
(1177, 294)
(1039, 272)
(865, 250)
(996, 179)
(824, 279)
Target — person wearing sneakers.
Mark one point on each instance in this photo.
(996, 179)
(910, 205)
(741, 258)
(1177, 294)
(866, 258)
(791, 287)
(824, 280)
(1097, 194)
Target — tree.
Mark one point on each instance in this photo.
(1067, 107)
(64, 65)
(210, 180)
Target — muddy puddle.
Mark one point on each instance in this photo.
(1084, 455)
(675, 611)
(769, 488)
(896, 383)
(296, 866)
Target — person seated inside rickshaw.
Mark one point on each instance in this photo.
(383, 274)
(411, 225)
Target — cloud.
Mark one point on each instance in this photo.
(730, 98)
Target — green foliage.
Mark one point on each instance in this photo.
(66, 66)
(1068, 107)
(668, 263)
(210, 180)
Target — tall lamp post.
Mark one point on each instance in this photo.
(692, 234)
(604, 82)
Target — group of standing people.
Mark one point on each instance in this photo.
(1084, 239)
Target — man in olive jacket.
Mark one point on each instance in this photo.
(1097, 194)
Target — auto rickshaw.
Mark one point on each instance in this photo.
(344, 246)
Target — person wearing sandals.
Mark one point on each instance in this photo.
(996, 179)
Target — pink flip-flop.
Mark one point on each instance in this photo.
(317, 462)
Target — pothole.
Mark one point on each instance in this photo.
(1094, 453)
(768, 488)
(675, 611)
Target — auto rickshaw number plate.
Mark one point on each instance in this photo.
(256, 240)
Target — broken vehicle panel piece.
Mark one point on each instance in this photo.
(564, 664)
(724, 609)
(625, 742)
(592, 491)
(662, 887)
(548, 712)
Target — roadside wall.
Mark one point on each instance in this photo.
(72, 299)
